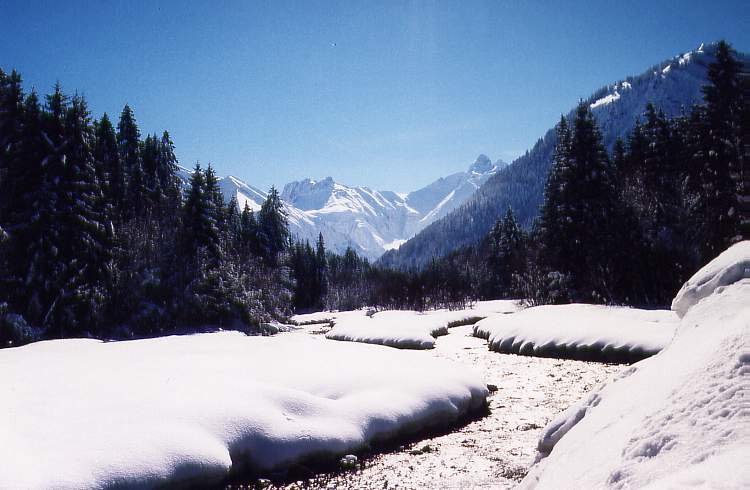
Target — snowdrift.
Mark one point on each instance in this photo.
(407, 329)
(676, 420)
(580, 331)
(187, 410)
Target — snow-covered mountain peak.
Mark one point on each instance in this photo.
(367, 220)
(309, 194)
(482, 165)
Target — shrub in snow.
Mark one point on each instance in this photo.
(676, 420)
(579, 331)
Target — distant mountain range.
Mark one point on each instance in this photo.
(366, 220)
(673, 86)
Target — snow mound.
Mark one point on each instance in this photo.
(186, 410)
(408, 329)
(326, 316)
(726, 269)
(580, 331)
(676, 420)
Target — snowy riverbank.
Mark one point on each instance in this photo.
(85, 414)
(676, 420)
(580, 331)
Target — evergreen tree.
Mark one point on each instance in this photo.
(11, 129)
(722, 162)
(552, 215)
(579, 215)
(166, 171)
(322, 270)
(249, 239)
(85, 234)
(109, 169)
(215, 199)
(272, 222)
(133, 202)
(507, 253)
(199, 227)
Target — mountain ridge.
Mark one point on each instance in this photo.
(369, 221)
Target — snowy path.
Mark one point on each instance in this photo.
(496, 450)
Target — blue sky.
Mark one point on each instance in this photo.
(386, 94)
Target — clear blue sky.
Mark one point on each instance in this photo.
(386, 94)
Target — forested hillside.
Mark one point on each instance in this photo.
(673, 87)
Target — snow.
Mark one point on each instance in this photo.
(395, 244)
(724, 270)
(80, 413)
(408, 329)
(676, 420)
(580, 331)
(608, 99)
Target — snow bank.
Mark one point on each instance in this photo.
(326, 316)
(85, 414)
(676, 420)
(726, 269)
(410, 329)
(580, 331)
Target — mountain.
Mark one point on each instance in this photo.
(673, 85)
(367, 220)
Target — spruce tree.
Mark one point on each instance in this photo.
(249, 233)
(322, 271)
(166, 171)
(133, 201)
(272, 221)
(85, 234)
(722, 161)
(109, 169)
(199, 228)
(579, 215)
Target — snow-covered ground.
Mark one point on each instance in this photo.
(85, 414)
(679, 419)
(580, 331)
(410, 329)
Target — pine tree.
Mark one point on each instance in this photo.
(17, 171)
(579, 215)
(722, 161)
(109, 170)
(508, 253)
(44, 231)
(199, 228)
(133, 201)
(85, 234)
(272, 221)
(249, 239)
(215, 199)
(322, 271)
(552, 215)
(166, 171)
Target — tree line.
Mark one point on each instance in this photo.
(97, 237)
